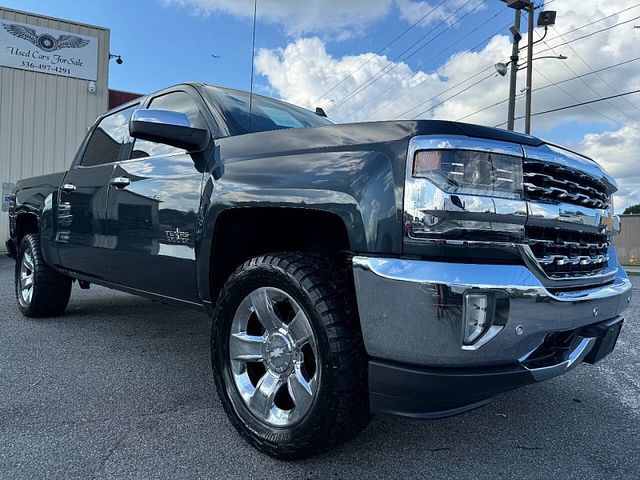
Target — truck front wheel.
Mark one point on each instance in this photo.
(40, 290)
(288, 358)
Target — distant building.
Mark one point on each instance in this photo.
(53, 84)
(628, 242)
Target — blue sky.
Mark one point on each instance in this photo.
(305, 48)
(168, 43)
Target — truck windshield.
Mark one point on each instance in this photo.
(267, 114)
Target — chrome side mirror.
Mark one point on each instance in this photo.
(167, 127)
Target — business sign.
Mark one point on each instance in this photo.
(7, 196)
(39, 49)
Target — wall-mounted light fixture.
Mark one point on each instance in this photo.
(118, 58)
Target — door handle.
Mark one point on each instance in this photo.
(120, 182)
(68, 187)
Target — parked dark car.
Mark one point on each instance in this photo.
(414, 268)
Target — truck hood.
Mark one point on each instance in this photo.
(386, 135)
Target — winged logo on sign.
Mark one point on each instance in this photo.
(45, 41)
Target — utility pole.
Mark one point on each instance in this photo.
(545, 19)
(514, 71)
(527, 120)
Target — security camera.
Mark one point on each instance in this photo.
(518, 4)
(517, 36)
(119, 60)
(547, 18)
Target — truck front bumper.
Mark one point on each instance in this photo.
(412, 315)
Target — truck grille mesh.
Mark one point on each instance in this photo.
(551, 183)
(568, 253)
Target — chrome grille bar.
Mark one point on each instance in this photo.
(552, 183)
(577, 260)
(568, 253)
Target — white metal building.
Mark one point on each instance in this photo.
(53, 85)
(628, 242)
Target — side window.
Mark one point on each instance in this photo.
(175, 102)
(108, 141)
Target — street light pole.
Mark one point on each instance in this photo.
(527, 124)
(514, 72)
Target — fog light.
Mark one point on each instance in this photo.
(478, 314)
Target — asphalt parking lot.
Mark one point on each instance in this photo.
(121, 387)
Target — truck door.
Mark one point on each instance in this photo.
(81, 221)
(153, 206)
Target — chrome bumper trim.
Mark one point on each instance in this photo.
(411, 310)
(573, 360)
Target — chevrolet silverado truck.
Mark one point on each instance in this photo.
(414, 268)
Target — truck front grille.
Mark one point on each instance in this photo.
(568, 253)
(551, 183)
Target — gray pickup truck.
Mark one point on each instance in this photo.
(415, 268)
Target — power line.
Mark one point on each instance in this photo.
(600, 19)
(253, 58)
(389, 101)
(567, 43)
(406, 112)
(589, 102)
(559, 35)
(384, 105)
(383, 71)
(373, 55)
(603, 115)
(626, 100)
(453, 96)
(588, 85)
(566, 107)
(552, 84)
(485, 108)
(485, 78)
(588, 34)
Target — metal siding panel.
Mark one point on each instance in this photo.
(39, 125)
(16, 125)
(28, 121)
(43, 118)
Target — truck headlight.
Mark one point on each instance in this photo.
(471, 172)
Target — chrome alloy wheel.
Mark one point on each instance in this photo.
(274, 357)
(26, 277)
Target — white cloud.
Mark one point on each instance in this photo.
(303, 71)
(617, 151)
(344, 18)
(412, 11)
(339, 18)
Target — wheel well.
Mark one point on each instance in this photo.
(26, 223)
(244, 233)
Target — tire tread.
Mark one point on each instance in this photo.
(51, 289)
(348, 407)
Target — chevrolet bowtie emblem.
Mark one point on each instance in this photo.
(276, 352)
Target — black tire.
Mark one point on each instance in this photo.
(340, 409)
(50, 289)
